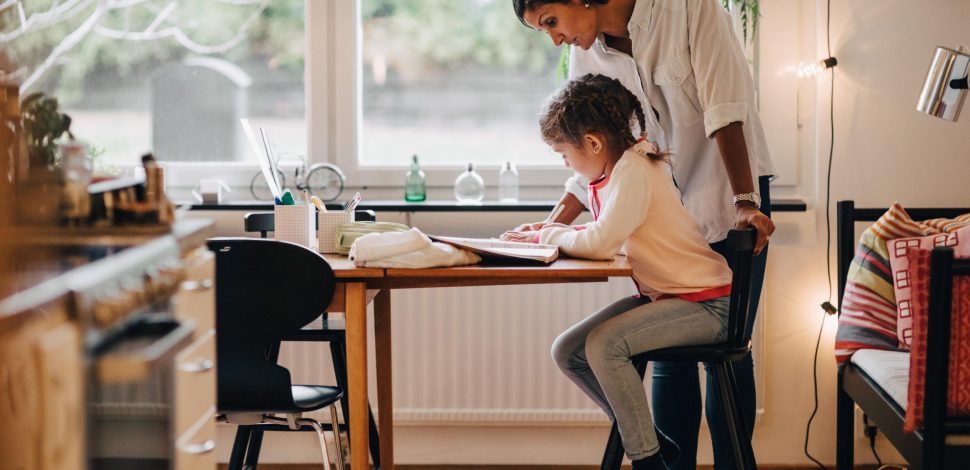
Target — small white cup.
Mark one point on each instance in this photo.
(209, 191)
(328, 222)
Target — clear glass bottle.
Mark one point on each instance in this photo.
(415, 186)
(508, 183)
(469, 187)
(76, 174)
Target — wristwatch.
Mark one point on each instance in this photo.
(750, 197)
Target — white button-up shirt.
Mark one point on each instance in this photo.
(689, 69)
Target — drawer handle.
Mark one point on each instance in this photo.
(195, 286)
(201, 365)
(196, 449)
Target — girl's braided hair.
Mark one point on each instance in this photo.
(594, 104)
(522, 6)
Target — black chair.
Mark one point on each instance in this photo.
(937, 444)
(266, 290)
(331, 331)
(737, 346)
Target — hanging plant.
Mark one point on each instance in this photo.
(749, 12)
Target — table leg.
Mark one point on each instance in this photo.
(385, 398)
(356, 296)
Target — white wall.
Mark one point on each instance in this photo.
(885, 151)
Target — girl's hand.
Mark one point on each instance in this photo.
(530, 227)
(525, 236)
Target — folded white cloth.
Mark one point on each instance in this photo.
(438, 255)
(381, 245)
(410, 249)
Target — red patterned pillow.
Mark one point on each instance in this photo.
(958, 399)
(899, 249)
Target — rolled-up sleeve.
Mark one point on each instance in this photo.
(720, 67)
(578, 186)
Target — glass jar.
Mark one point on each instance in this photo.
(469, 187)
(508, 183)
(415, 187)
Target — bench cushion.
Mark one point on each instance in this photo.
(889, 369)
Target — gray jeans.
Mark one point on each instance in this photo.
(596, 354)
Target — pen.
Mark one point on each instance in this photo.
(306, 197)
(555, 213)
(353, 202)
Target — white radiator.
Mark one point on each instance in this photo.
(478, 355)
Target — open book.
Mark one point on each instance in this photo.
(502, 250)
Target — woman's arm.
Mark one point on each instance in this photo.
(734, 154)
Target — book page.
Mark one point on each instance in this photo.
(504, 249)
(494, 243)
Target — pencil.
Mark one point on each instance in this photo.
(555, 213)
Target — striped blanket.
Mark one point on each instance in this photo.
(867, 316)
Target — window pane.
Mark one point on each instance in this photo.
(452, 81)
(172, 77)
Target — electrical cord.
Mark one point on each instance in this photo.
(827, 305)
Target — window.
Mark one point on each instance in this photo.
(171, 77)
(453, 81)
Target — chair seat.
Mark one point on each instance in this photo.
(314, 397)
(701, 353)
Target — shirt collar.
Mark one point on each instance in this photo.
(640, 19)
(641, 15)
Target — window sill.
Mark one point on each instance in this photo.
(778, 205)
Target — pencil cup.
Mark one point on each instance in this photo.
(328, 222)
(295, 224)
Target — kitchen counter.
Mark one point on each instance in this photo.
(36, 265)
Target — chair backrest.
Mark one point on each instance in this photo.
(264, 222)
(936, 422)
(265, 289)
(741, 243)
(848, 215)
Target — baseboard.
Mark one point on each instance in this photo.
(526, 467)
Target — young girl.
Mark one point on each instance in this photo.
(684, 286)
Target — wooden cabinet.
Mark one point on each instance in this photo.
(61, 398)
(42, 397)
(195, 373)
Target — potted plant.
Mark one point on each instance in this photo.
(44, 125)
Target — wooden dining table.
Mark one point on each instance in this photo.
(357, 287)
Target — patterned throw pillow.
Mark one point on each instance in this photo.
(867, 318)
(958, 384)
(899, 250)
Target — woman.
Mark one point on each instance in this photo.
(683, 61)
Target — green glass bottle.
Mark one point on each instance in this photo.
(415, 189)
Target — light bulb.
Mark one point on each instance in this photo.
(812, 69)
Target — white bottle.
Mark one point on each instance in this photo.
(469, 187)
(508, 183)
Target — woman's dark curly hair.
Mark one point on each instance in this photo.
(594, 104)
(522, 6)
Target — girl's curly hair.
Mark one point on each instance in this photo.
(594, 104)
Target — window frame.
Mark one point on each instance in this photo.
(334, 66)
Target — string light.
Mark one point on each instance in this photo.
(812, 69)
